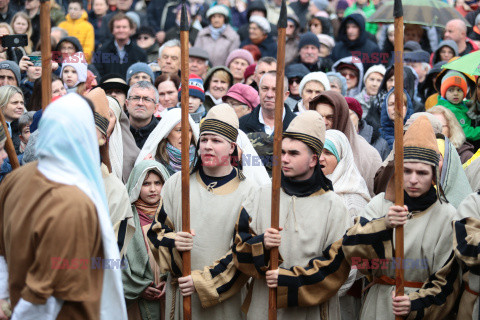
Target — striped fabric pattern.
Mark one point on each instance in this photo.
(101, 123)
(219, 127)
(466, 242)
(421, 154)
(310, 141)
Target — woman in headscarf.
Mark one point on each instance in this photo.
(143, 283)
(339, 167)
(334, 109)
(217, 82)
(69, 212)
(164, 143)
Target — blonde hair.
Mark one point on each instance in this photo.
(6, 93)
(23, 15)
(457, 136)
(7, 26)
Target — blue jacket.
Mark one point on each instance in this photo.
(388, 127)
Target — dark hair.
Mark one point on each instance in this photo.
(35, 102)
(120, 16)
(167, 77)
(155, 173)
(80, 2)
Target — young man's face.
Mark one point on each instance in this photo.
(193, 104)
(298, 161)
(75, 10)
(215, 150)
(353, 31)
(454, 95)
(7, 77)
(417, 177)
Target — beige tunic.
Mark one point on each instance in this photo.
(309, 224)
(427, 243)
(214, 212)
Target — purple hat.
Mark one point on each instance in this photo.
(243, 93)
(240, 54)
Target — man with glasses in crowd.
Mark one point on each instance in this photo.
(142, 101)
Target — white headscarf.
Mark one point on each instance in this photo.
(68, 153)
(115, 143)
(346, 179)
(169, 120)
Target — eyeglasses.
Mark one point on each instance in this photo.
(144, 37)
(293, 80)
(350, 75)
(138, 99)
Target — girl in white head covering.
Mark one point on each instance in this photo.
(115, 142)
(340, 168)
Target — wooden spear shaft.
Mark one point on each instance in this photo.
(46, 53)
(12, 155)
(398, 47)
(277, 149)
(186, 257)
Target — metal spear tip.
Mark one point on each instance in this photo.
(397, 9)
(282, 19)
(184, 18)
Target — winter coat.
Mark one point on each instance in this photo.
(161, 15)
(257, 5)
(107, 59)
(218, 50)
(268, 47)
(460, 111)
(83, 31)
(250, 123)
(374, 138)
(445, 43)
(362, 47)
(174, 33)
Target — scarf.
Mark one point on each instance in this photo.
(175, 156)
(216, 182)
(146, 212)
(421, 203)
(305, 188)
(217, 32)
(199, 114)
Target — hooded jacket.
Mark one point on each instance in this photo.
(209, 103)
(362, 47)
(409, 84)
(368, 10)
(445, 43)
(387, 129)
(351, 60)
(83, 31)
(257, 5)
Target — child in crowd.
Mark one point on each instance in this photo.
(196, 97)
(77, 25)
(74, 76)
(24, 126)
(453, 90)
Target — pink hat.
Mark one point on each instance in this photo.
(239, 54)
(243, 93)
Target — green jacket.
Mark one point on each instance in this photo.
(460, 111)
(368, 11)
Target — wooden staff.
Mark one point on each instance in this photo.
(399, 252)
(12, 155)
(46, 53)
(277, 149)
(184, 29)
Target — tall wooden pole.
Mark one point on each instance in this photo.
(398, 47)
(186, 257)
(277, 149)
(12, 155)
(46, 53)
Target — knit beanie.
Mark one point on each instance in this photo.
(378, 68)
(262, 23)
(420, 143)
(240, 54)
(249, 71)
(453, 78)
(339, 79)
(221, 120)
(243, 93)
(308, 127)
(12, 66)
(342, 5)
(139, 67)
(315, 76)
(195, 87)
(101, 114)
(355, 106)
(320, 4)
(220, 9)
(308, 38)
(81, 69)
